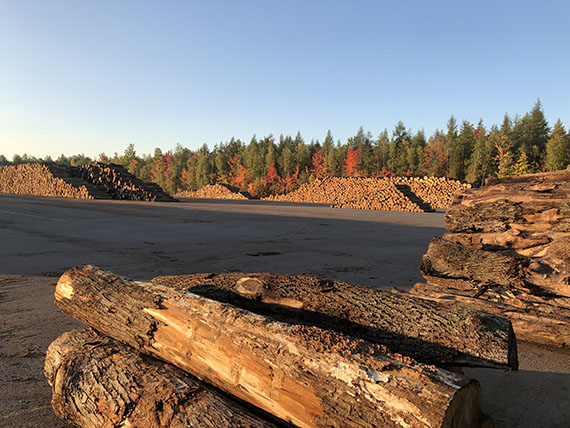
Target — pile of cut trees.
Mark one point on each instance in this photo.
(253, 350)
(438, 192)
(118, 183)
(354, 193)
(213, 191)
(506, 251)
(95, 181)
(38, 180)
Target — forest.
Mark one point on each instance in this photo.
(270, 165)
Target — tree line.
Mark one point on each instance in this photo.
(269, 165)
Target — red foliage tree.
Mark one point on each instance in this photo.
(243, 177)
(319, 168)
(233, 173)
(291, 181)
(351, 162)
(435, 159)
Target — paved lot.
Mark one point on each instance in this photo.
(142, 240)
(41, 237)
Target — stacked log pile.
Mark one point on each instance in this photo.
(438, 192)
(212, 191)
(506, 251)
(118, 183)
(96, 181)
(38, 180)
(354, 193)
(261, 339)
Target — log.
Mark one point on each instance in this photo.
(530, 324)
(433, 333)
(302, 374)
(450, 260)
(98, 383)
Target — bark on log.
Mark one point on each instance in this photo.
(99, 383)
(449, 260)
(433, 333)
(301, 374)
(548, 328)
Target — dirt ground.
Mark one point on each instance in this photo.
(41, 237)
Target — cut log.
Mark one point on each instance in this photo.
(433, 333)
(449, 260)
(302, 374)
(98, 383)
(530, 324)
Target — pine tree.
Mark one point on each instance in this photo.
(481, 161)
(557, 149)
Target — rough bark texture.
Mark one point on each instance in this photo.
(529, 324)
(301, 374)
(98, 383)
(509, 243)
(433, 333)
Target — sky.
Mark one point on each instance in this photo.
(95, 76)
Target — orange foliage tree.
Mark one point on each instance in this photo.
(319, 168)
(351, 162)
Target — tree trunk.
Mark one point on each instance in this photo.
(100, 383)
(301, 374)
(545, 325)
(433, 333)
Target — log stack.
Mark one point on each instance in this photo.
(212, 191)
(39, 180)
(297, 350)
(438, 192)
(506, 251)
(413, 194)
(354, 193)
(118, 183)
(95, 181)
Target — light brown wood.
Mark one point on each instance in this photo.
(302, 374)
(411, 194)
(433, 333)
(98, 382)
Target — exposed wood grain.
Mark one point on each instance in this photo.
(98, 382)
(302, 374)
(434, 333)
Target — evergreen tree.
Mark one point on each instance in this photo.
(382, 151)
(557, 149)
(461, 151)
(481, 162)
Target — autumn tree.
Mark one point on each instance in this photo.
(504, 157)
(351, 162)
(319, 165)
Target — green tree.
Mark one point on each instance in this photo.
(557, 149)
(461, 151)
(481, 161)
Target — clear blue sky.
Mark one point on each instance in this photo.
(91, 77)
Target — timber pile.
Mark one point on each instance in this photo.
(118, 183)
(38, 180)
(96, 181)
(260, 338)
(354, 193)
(212, 191)
(506, 251)
(438, 192)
